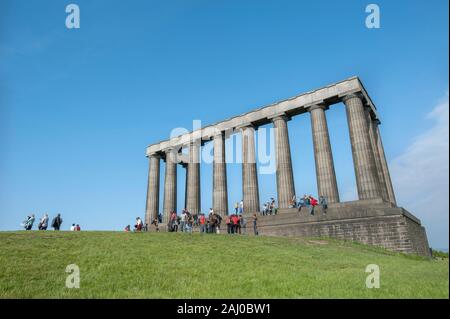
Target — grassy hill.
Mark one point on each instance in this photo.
(176, 265)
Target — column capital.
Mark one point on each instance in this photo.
(313, 107)
(278, 117)
(242, 127)
(352, 96)
(154, 155)
(218, 133)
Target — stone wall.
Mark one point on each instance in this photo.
(390, 227)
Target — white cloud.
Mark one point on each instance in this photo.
(421, 176)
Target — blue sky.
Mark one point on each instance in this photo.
(78, 107)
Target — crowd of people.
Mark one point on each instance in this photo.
(43, 222)
(269, 208)
(309, 202)
(236, 223)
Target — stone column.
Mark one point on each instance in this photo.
(249, 172)
(285, 176)
(363, 157)
(376, 154)
(220, 192)
(387, 176)
(152, 205)
(193, 179)
(325, 173)
(170, 185)
(185, 166)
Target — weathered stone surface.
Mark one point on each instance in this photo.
(363, 157)
(299, 104)
(220, 192)
(152, 204)
(170, 185)
(250, 188)
(325, 173)
(285, 175)
(389, 227)
(387, 176)
(193, 179)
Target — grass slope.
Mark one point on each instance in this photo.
(176, 265)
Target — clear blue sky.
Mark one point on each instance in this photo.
(78, 107)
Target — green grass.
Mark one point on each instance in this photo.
(176, 265)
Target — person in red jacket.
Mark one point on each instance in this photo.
(313, 203)
(202, 221)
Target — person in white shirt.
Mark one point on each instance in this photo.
(183, 220)
(138, 224)
(72, 228)
(241, 207)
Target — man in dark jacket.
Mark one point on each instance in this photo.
(57, 221)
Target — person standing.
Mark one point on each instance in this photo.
(236, 208)
(43, 224)
(241, 207)
(324, 203)
(57, 222)
(183, 220)
(29, 223)
(255, 224)
(155, 222)
(228, 222)
(202, 221)
(312, 204)
(138, 226)
(243, 225)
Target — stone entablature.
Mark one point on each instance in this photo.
(328, 95)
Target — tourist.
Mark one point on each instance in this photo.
(312, 204)
(72, 228)
(127, 229)
(238, 224)
(202, 222)
(218, 219)
(292, 202)
(234, 223)
(324, 203)
(189, 223)
(57, 222)
(228, 222)
(138, 226)
(77, 227)
(264, 210)
(236, 208)
(172, 221)
(243, 224)
(175, 222)
(43, 223)
(212, 223)
(241, 207)
(255, 226)
(155, 222)
(183, 220)
(195, 217)
(301, 203)
(29, 222)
